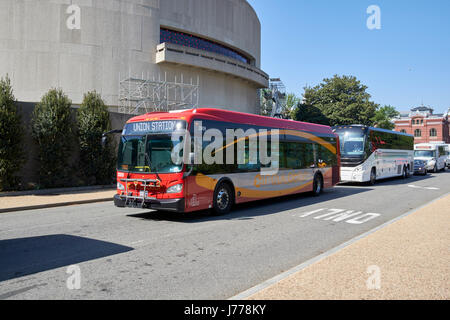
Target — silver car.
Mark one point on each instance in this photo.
(420, 167)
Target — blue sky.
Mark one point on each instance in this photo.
(405, 63)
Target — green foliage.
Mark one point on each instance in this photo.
(52, 131)
(11, 153)
(342, 100)
(383, 117)
(97, 164)
(309, 113)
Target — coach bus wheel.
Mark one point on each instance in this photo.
(223, 199)
(318, 185)
(373, 177)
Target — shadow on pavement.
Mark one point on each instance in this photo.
(248, 211)
(25, 256)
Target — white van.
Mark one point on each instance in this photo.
(448, 155)
(435, 155)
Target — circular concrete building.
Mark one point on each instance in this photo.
(204, 53)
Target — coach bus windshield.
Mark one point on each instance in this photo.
(424, 153)
(352, 142)
(147, 154)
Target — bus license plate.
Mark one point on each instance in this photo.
(142, 194)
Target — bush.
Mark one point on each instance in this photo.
(97, 163)
(52, 131)
(11, 153)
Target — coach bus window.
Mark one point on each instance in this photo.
(352, 143)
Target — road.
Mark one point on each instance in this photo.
(142, 254)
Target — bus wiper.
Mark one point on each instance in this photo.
(147, 157)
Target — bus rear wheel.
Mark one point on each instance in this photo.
(223, 199)
(317, 185)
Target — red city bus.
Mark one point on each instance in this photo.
(233, 158)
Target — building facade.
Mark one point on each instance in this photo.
(84, 45)
(424, 125)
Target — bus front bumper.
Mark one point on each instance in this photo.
(352, 175)
(174, 205)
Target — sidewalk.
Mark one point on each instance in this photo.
(412, 256)
(19, 201)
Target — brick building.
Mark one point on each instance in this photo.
(424, 125)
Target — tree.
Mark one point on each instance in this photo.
(383, 117)
(309, 113)
(97, 163)
(343, 100)
(11, 152)
(52, 131)
(291, 104)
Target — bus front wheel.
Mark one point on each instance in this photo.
(223, 199)
(373, 177)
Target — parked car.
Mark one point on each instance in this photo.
(420, 167)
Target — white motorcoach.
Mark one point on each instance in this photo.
(369, 154)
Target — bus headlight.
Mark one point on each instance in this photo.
(120, 186)
(175, 189)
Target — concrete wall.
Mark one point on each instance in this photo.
(118, 38)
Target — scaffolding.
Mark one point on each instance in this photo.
(276, 94)
(143, 95)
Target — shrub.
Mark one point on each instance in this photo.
(52, 131)
(11, 152)
(97, 163)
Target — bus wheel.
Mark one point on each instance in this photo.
(373, 177)
(223, 199)
(318, 185)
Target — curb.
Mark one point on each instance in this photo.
(55, 190)
(53, 205)
(268, 283)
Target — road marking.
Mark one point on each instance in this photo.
(253, 290)
(340, 215)
(419, 187)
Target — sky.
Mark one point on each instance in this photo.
(404, 63)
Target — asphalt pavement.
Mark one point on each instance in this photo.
(141, 254)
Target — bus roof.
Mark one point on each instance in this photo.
(371, 128)
(234, 117)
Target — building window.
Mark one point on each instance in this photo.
(417, 133)
(433, 133)
(413, 121)
(187, 40)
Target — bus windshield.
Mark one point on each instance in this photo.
(352, 143)
(148, 154)
(424, 153)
